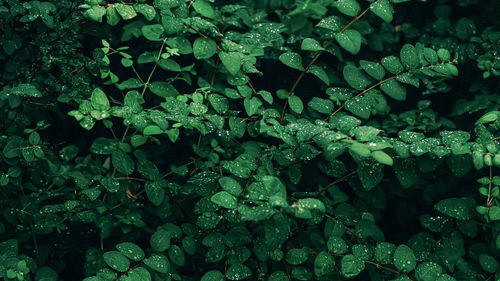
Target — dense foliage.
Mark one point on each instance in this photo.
(250, 140)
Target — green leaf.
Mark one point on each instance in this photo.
(337, 245)
(131, 251)
(454, 207)
(24, 90)
(169, 65)
(382, 157)
(392, 64)
(333, 23)
(278, 276)
(204, 48)
(126, 11)
(494, 213)
(95, 13)
(291, 59)
(122, 162)
(365, 133)
(310, 44)
(267, 96)
(360, 106)
(444, 55)
(153, 32)
(176, 255)
(138, 140)
(225, 200)
(116, 261)
(231, 185)
(374, 69)
(131, 83)
(324, 106)
(160, 240)
(46, 273)
(350, 40)
(252, 105)
(394, 89)
(383, 9)
(406, 172)
(219, 103)
(213, 275)
(489, 117)
(231, 60)
(237, 126)
(204, 8)
(163, 89)
(348, 7)
(296, 256)
(146, 10)
(320, 73)
(409, 79)
(139, 274)
(238, 272)
(208, 220)
(360, 149)
(404, 259)
(384, 252)
(355, 77)
(428, 271)
(99, 100)
(158, 262)
(152, 130)
(324, 264)
(351, 266)
(431, 56)
(307, 208)
(370, 174)
(173, 26)
(409, 56)
(112, 16)
(155, 192)
(296, 104)
(488, 263)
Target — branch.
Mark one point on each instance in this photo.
(382, 82)
(316, 57)
(324, 189)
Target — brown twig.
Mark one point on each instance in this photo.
(131, 179)
(251, 87)
(324, 189)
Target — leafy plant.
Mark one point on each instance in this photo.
(249, 140)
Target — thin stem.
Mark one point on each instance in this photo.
(361, 93)
(137, 74)
(146, 85)
(382, 267)
(489, 200)
(131, 178)
(357, 18)
(125, 133)
(251, 87)
(324, 189)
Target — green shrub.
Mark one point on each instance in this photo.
(249, 140)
